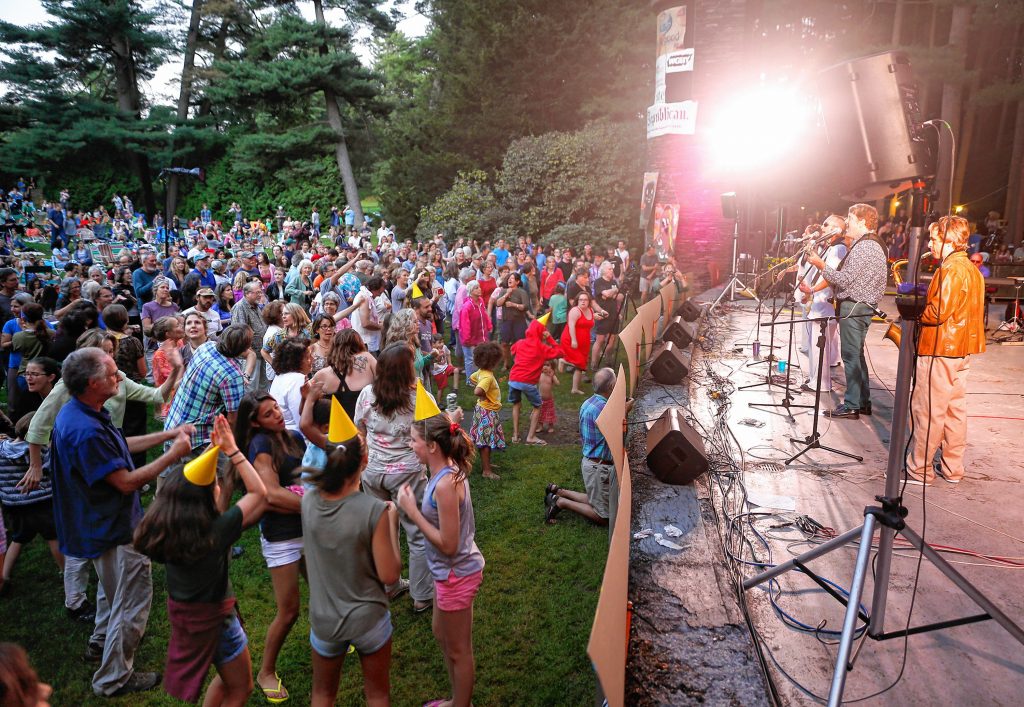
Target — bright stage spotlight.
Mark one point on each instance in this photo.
(758, 128)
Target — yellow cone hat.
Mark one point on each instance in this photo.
(425, 405)
(202, 470)
(341, 428)
(544, 319)
(416, 291)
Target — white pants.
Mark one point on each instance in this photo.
(811, 332)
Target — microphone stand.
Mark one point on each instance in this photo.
(771, 342)
(787, 400)
(813, 440)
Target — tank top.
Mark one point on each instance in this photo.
(467, 559)
(346, 398)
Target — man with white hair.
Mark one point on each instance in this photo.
(608, 298)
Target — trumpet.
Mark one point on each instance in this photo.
(893, 332)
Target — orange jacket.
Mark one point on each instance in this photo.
(953, 322)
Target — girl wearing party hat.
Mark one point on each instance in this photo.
(351, 557)
(183, 529)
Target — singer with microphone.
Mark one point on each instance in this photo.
(814, 293)
(859, 282)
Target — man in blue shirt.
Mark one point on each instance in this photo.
(96, 508)
(500, 253)
(596, 465)
(202, 269)
(205, 215)
(55, 217)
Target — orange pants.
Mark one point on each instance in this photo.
(939, 410)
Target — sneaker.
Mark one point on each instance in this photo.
(138, 682)
(93, 653)
(866, 410)
(399, 589)
(843, 413)
(84, 614)
(914, 481)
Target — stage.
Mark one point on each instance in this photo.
(690, 643)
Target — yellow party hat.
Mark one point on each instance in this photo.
(425, 405)
(202, 470)
(341, 428)
(544, 319)
(416, 291)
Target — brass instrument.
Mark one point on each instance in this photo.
(893, 332)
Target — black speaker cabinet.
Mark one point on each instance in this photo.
(872, 116)
(669, 365)
(675, 452)
(688, 311)
(678, 332)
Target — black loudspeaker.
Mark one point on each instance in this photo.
(678, 332)
(688, 311)
(872, 117)
(675, 452)
(669, 365)
(729, 205)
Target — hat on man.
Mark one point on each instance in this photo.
(205, 292)
(201, 255)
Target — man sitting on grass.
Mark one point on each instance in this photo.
(596, 465)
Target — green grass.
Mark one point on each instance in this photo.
(532, 616)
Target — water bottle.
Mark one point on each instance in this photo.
(757, 350)
(452, 402)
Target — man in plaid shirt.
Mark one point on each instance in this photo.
(213, 384)
(596, 465)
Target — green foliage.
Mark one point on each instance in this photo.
(577, 235)
(467, 210)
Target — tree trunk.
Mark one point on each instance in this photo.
(897, 23)
(348, 178)
(1004, 109)
(185, 93)
(1014, 210)
(220, 45)
(952, 106)
(129, 103)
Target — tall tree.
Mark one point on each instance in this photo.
(102, 50)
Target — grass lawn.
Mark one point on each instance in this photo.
(532, 620)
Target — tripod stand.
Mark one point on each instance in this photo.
(890, 515)
(1014, 326)
(813, 440)
(734, 278)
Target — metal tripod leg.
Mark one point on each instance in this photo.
(730, 289)
(860, 570)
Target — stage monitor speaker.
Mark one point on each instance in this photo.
(688, 311)
(669, 365)
(729, 205)
(678, 332)
(872, 116)
(675, 452)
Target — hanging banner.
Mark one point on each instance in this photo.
(672, 57)
(647, 199)
(671, 119)
(663, 230)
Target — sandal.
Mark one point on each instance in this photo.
(276, 691)
(537, 443)
(419, 608)
(552, 489)
(551, 509)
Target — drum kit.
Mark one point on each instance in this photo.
(1011, 331)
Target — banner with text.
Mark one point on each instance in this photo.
(671, 119)
(672, 57)
(647, 199)
(663, 230)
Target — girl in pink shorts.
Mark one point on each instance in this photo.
(453, 558)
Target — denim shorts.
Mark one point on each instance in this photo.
(232, 641)
(516, 390)
(370, 642)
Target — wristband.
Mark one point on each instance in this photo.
(237, 451)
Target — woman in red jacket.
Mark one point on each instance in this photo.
(474, 324)
(549, 279)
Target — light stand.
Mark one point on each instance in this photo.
(734, 278)
(890, 516)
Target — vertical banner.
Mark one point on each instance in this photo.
(647, 200)
(663, 230)
(672, 57)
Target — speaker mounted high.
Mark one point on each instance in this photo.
(675, 452)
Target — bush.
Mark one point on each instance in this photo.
(577, 235)
(468, 210)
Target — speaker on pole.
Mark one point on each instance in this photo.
(688, 311)
(669, 365)
(872, 116)
(675, 452)
(678, 332)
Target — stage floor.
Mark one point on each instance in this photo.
(979, 664)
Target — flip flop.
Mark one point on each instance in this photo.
(277, 690)
(537, 443)
(435, 703)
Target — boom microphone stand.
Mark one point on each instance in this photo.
(890, 515)
(787, 400)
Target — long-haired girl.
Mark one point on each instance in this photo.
(183, 529)
(445, 516)
(351, 556)
(276, 453)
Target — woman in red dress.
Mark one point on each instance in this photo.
(576, 338)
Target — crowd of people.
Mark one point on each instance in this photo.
(250, 336)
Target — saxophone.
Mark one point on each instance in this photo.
(893, 332)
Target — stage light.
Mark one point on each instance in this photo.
(958, 208)
(757, 128)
